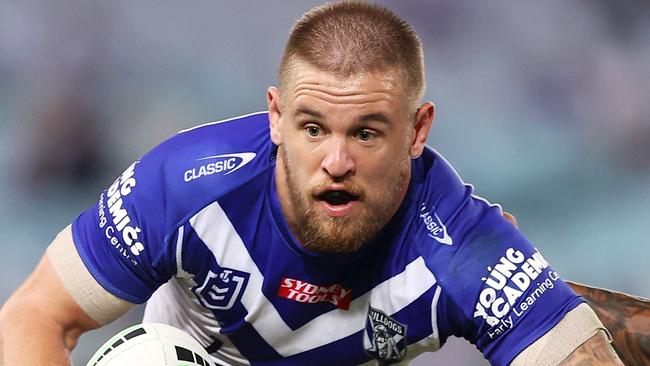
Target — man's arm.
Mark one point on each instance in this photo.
(596, 351)
(578, 339)
(41, 323)
(626, 317)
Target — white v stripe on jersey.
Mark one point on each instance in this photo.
(214, 228)
(397, 292)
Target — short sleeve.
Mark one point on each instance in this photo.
(499, 291)
(122, 239)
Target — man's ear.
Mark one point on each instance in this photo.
(423, 122)
(275, 114)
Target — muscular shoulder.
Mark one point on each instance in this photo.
(136, 220)
(449, 215)
(490, 274)
(199, 165)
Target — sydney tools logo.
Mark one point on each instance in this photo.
(302, 291)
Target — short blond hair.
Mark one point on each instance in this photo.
(351, 37)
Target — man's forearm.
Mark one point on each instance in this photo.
(27, 338)
(626, 317)
(596, 351)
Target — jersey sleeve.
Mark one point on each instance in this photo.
(123, 238)
(128, 239)
(499, 292)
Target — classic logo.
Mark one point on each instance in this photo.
(225, 163)
(302, 291)
(384, 338)
(437, 230)
(221, 291)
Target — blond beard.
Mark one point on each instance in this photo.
(342, 234)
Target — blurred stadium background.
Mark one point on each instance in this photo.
(543, 105)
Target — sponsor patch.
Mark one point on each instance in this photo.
(218, 164)
(221, 290)
(384, 337)
(114, 218)
(436, 229)
(501, 301)
(302, 291)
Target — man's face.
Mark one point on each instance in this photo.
(344, 154)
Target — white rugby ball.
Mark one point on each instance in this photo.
(151, 344)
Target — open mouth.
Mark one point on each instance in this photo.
(336, 197)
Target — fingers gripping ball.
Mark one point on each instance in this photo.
(151, 345)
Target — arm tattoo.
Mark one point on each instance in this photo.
(595, 351)
(626, 317)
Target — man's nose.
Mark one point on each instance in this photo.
(338, 161)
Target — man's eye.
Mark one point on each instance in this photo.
(313, 131)
(365, 135)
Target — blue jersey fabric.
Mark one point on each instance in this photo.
(200, 211)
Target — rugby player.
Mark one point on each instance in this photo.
(323, 231)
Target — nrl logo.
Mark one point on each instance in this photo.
(221, 290)
(384, 338)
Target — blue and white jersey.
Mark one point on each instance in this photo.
(196, 228)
